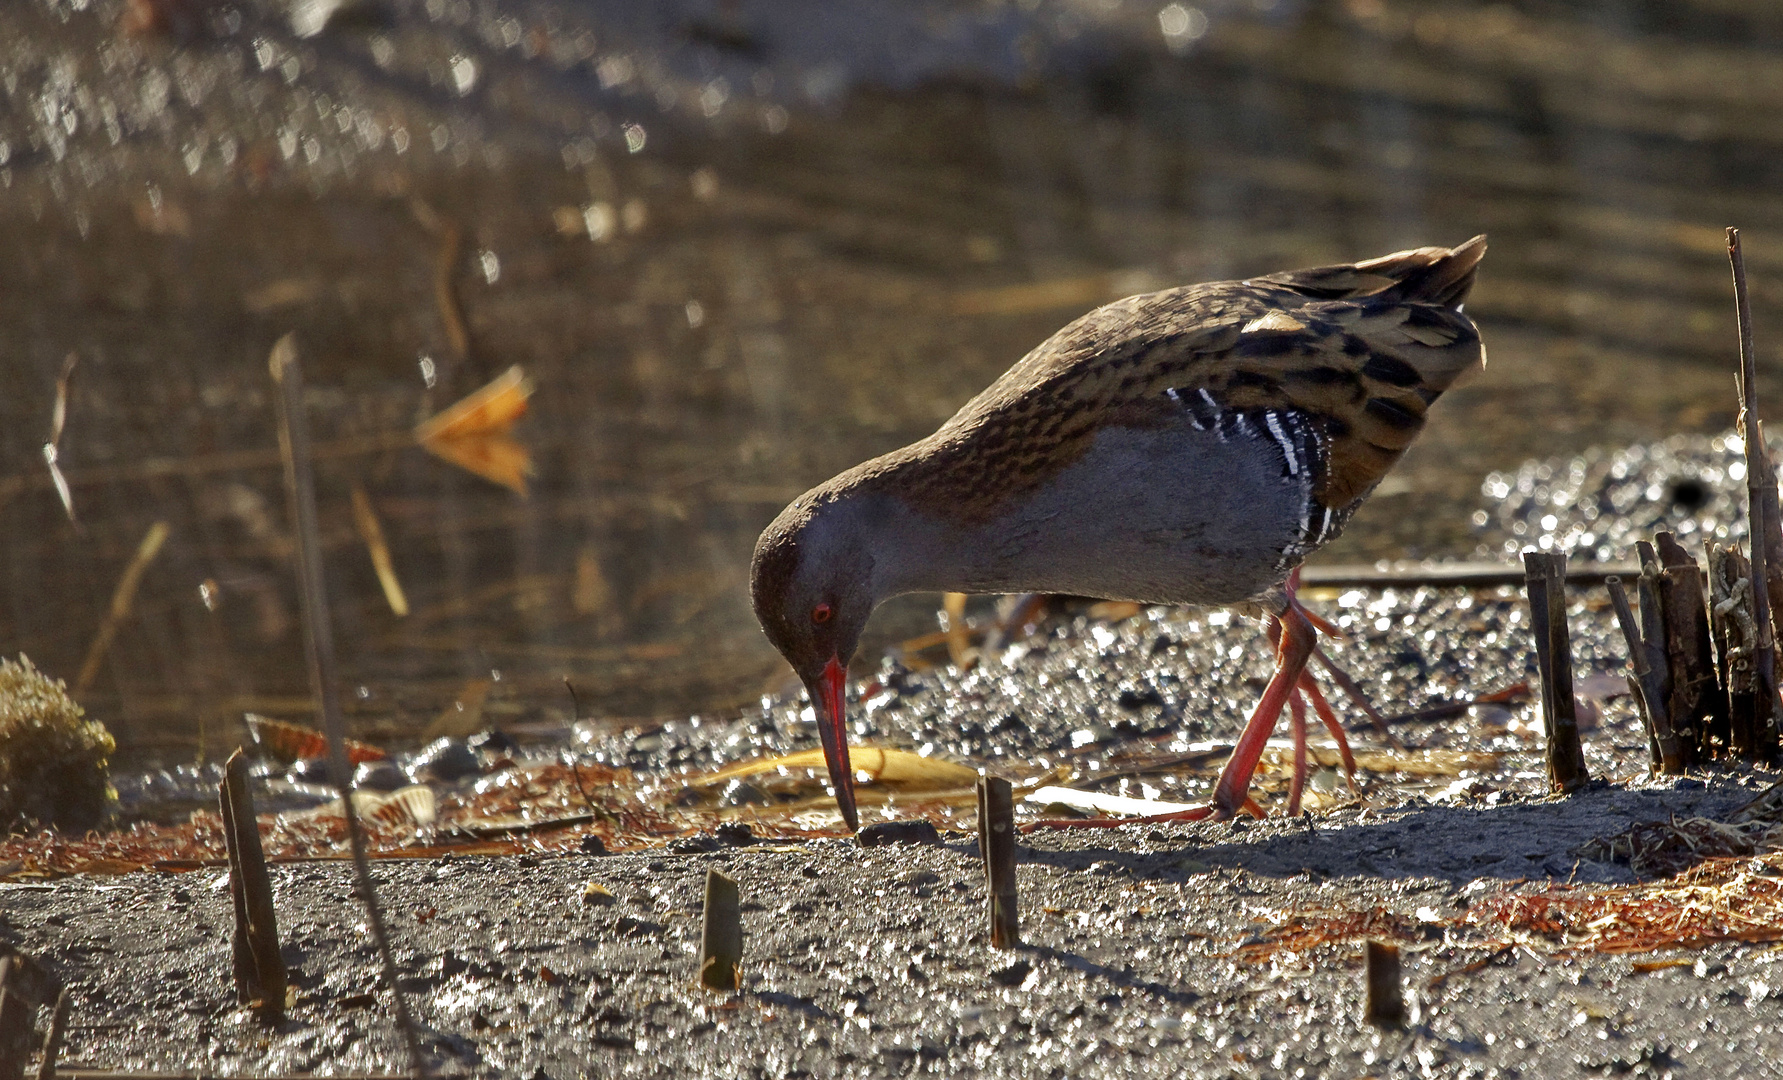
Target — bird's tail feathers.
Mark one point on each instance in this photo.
(1428, 275)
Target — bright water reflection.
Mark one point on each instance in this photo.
(742, 246)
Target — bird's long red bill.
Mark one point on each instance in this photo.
(829, 701)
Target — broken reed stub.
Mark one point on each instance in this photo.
(1546, 576)
(1696, 705)
(52, 1040)
(258, 968)
(25, 987)
(996, 843)
(15, 1025)
(1384, 995)
(1646, 682)
(721, 934)
(1735, 629)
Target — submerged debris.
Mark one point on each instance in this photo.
(54, 767)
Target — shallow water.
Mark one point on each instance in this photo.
(743, 246)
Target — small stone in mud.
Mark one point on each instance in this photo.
(1012, 974)
(443, 761)
(920, 877)
(743, 793)
(592, 845)
(492, 744)
(627, 925)
(594, 894)
(380, 775)
(311, 771)
(735, 834)
(695, 845)
(885, 833)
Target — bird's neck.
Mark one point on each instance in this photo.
(898, 549)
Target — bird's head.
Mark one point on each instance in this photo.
(812, 585)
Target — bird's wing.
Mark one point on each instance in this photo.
(1360, 351)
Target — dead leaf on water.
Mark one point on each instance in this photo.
(488, 411)
(880, 765)
(282, 293)
(496, 458)
(474, 434)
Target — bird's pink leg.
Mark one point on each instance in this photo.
(1329, 719)
(1354, 693)
(1341, 678)
(1297, 710)
(1295, 634)
(1231, 794)
(1297, 640)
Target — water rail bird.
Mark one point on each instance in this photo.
(1189, 446)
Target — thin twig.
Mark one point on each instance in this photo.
(445, 269)
(365, 519)
(1442, 575)
(569, 756)
(300, 484)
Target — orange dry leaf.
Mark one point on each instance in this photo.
(474, 433)
(489, 411)
(496, 458)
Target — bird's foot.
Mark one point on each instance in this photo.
(1307, 690)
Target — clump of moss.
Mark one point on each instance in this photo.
(53, 761)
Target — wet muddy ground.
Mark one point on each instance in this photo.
(1147, 951)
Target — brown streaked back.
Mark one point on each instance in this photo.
(1363, 349)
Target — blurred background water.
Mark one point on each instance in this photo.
(741, 245)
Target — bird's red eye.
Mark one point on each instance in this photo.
(821, 613)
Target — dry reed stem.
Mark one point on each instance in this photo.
(52, 450)
(300, 484)
(365, 518)
(121, 600)
(52, 1040)
(445, 271)
(1547, 605)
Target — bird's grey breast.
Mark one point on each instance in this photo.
(1213, 507)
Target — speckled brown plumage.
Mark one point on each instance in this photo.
(1186, 447)
(1361, 349)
